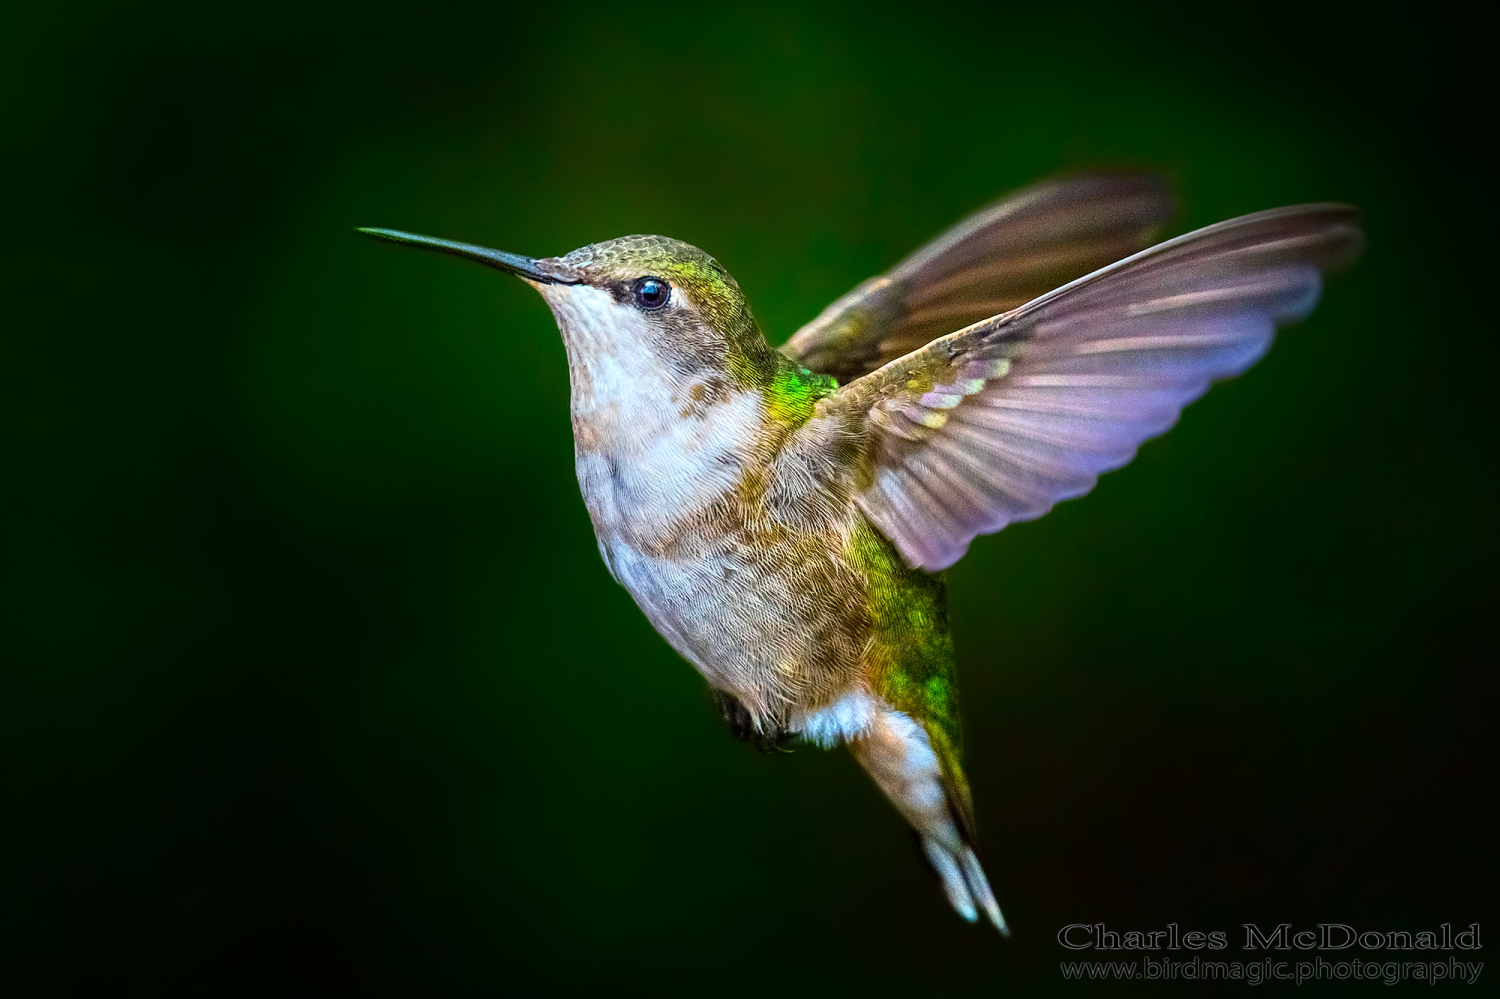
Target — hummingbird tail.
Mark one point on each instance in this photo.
(964, 882)
(898, 754)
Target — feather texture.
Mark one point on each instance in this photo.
(1003, 256)
(999, 421)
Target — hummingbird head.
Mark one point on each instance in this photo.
(638, 299)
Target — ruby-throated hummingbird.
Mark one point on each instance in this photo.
(782, 516)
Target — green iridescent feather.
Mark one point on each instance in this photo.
(912, 661)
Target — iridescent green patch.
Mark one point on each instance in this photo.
(912, 659)
(794, 391)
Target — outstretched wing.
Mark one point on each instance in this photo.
(999, 421)
(1022, 246)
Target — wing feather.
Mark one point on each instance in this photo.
(1000, 421)
(999, 258)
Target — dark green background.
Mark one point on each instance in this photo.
(312, 672)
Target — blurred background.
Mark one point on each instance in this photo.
(312, 672)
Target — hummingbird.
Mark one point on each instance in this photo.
(783, 516)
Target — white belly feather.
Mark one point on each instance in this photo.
(660, 453)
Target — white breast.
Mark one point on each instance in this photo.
(663, 446)
(647, 454)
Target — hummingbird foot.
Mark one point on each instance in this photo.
(769, 738)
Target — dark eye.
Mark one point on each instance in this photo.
(652, 293)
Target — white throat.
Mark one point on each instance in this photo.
(653, 442)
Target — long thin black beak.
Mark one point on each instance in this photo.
(513, 263)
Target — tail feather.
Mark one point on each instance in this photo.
(897, 752)
(954, 883)
(979, 887)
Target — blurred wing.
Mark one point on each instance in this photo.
(1004, 256)
(997, 422)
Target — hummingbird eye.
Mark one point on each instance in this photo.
(652, 293)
